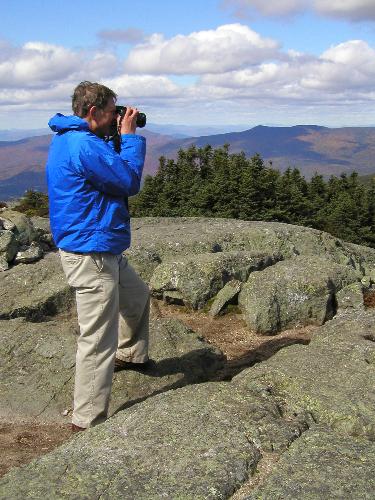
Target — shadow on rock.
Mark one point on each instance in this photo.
(261, 353)
(194, 367)
(198, 367)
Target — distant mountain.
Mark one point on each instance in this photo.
(15, 186)
(22, 162)
(184, 131)
(176, 131)
(17, 134)
(309, 147)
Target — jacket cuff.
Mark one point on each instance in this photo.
(133, 136)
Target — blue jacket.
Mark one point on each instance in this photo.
(88, 186)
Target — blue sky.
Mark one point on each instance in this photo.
(238, 62)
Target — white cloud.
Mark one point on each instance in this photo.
(348, 67)
(343, 71)
(213, 51)
(37, 63)
(97, 66)
(143, 86)
(355, 53)
(41, 76)
(352, 10)
(234, 72)
(246, 78)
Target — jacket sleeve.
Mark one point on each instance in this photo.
(112, 173)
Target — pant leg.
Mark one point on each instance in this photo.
(134, 305)
(95, 279)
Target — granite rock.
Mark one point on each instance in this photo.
(197, 442)
(332, 378)
(227, 295)
(21, 226)
(199, 277)
(33, 253)
(37, 367)
(293, 293)
(35, 291)
(322, 464)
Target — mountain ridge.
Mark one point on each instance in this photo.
(311, 148)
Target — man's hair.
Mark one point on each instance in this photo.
(88, 94)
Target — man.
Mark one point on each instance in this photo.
(88, 186)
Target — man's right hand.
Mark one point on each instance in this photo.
(127, 124)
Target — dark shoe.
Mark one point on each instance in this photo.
(77, 428)
(138, 367)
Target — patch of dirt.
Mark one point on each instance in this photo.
(369, 298)
(22, 442)
(241, 346)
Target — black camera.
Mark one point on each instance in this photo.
(141, 117)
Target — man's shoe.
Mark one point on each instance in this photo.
(77, 428)
(138, 367)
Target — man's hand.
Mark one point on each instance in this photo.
(127, 123)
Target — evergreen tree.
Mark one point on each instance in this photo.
(33, 203)
(214, 183)
(187, 181)
(367, 229)
(292, 197)
(317, 195)
(252, 191)
(344, 208)
(220, 193)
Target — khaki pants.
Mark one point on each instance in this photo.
(113, 313)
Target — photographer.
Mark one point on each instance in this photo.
(89, 181)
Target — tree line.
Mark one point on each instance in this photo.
(212, 182)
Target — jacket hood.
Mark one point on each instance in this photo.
(61, 123)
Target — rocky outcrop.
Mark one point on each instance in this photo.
(322, 464)
(33, 253)
(226, 296)
(199, 277)
(42, 227)
(20, 240)
(37, 366)
(314, 408)
(38, 359)
(20, 224)
(351, 297)
(309, 409)
(332, 378)
(182, 358)
(156, 239)
(8, 248)
(294, 293)
(34, 291)
(192, 443)
(189, 261)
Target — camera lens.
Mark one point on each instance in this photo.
(141, 117)
(141, 120)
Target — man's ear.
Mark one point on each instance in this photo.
(92, 113)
